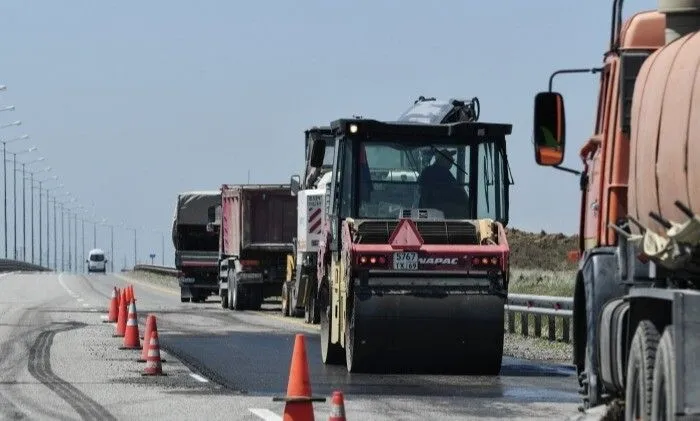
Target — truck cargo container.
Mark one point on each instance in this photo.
(255, 230)
(196, 251)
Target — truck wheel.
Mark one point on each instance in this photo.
(255, 297)
(640, 372)
(330, 353)
(224, 298)
(285, 300)
(237, 296)
(311, 311)
(664, 386)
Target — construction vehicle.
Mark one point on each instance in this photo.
(636, 323)
(255, 228)
(196, 250)
(413, 262)
(300, 288)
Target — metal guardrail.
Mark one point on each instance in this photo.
(9, 265)
(160, 270)
(522, 311)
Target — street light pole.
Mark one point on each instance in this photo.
(111, 240)
(135, 254)
(63, 249)
(75, 241)
(82, 230)
(4, 179)
(40, 235)
(24, 214)
(55, 237)
(32, 212)
(14, 201)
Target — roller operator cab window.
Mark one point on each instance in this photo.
(463, 181)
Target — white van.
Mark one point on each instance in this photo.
(96, 261)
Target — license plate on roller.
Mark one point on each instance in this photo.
(406, 261)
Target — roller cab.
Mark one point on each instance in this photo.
(413, 260)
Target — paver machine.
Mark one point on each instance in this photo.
(637, 293)
(413, 260)
(300, 288)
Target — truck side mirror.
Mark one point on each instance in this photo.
(318, 150)
(549, 132)
(294, 184)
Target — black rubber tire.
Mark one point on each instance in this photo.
(640, 372)
(255, 297)
(664, 386)
(238, 296)
(184, 300)
(285, 300)
(224, 299)
(330, 353)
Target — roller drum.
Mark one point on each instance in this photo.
(457, 331)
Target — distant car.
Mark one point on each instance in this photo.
(96, 261)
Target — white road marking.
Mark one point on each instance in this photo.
(86, 304)
(265, 414)
(63, 284)
(199, 378)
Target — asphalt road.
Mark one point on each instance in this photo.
(60, 362)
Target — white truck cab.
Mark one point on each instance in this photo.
(96, 261)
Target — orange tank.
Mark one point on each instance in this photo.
(665, 137)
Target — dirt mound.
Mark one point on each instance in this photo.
(541, 251)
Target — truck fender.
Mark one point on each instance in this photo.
(598, 282)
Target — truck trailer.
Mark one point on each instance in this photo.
(196, 250)
(636, 325)
(255, 230)
(413, 261)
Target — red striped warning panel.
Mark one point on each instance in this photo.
(314, 220)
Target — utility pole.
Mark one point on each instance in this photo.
(40, 235)
(111, 239)
(55, 237)
(31, 179)
(75, 241)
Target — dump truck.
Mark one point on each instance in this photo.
(196, 249)
(255, 230)
(636, 312)
(300, 288)
(413, 263)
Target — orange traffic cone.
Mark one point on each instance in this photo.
(131, 334)
(121, 318)
(113, 307)
(131, 292)
(153, 362)
(298, 406)
(337, 407)
(150, 327)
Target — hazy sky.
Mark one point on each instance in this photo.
(132, 102)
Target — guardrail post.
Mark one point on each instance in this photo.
(565, 330)
(538, 325)
(511, 322)
(524, 320)
(552, 328)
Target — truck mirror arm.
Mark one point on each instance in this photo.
(569, 170)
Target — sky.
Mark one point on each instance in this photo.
(132, 102)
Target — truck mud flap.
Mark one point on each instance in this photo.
(455, 330)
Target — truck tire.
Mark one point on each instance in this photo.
(311, 311)
(640, 372)
(255, 296)
(286, 300)
(330, 353)
(224, 298)
(664, 386)
(237, 295)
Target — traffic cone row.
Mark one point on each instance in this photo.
(122, 312)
